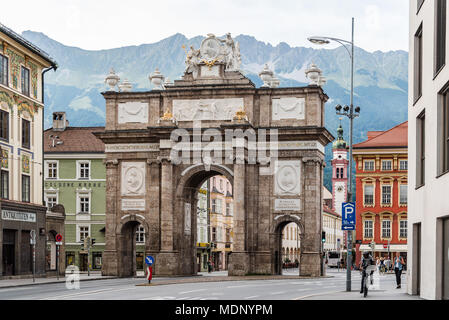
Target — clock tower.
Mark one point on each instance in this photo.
(339, 171)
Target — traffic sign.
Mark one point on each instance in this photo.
(149, 260)
(58, 243)
(32, 237)
(149, 274)
(385, 246)
(58, 237)
(348, 216)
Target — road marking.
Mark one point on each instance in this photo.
(158, 298)
(302, 289)
(85, 293)
(251, 297)
(184, 292)
(280, 292)
(315, 294)
(183, 298)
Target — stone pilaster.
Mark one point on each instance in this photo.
(239, 259)
(311, 240)
(110, 257)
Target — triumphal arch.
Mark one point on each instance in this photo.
(161, 145)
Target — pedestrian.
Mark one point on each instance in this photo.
(378, 263)
(382, 264)
(387, 264)
(209, 266)
(398, 266)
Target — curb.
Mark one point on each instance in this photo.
(51, 282)
(223, 279)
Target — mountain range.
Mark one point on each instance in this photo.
(380, 78)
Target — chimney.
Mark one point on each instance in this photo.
(59, 121)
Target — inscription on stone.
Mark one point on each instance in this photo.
(287, 204)
(133, 204)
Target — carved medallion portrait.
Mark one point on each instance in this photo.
(287, 178)
(133, 178)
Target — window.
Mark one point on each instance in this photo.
(140, 234)
(4, 125)
(403, 228)
(403, 194)
(83, 232)
(25, 188)
(444, 132)
(417, 68)
(25, 81)
(83, 169)
(369, 194)
(403, 165)
(214, 205)
(228, 208)
(420, 149)
(386, 165)
(440, 34)
(4, 184)
(26, 133)
(228, 235)
(214, 234)
(218, 208)
(386, 194)
(369, 165)
(386, 229)
(368, 229)
(3, 70)
(52, 200)
(52, 170)
(419, 3)
(84, 204)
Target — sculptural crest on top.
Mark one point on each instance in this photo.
(214, 50)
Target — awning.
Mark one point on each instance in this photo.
(380, 248)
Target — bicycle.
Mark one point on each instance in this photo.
(369, 270)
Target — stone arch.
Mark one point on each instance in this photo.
(190, 179)
(126, 234)
(280, 221)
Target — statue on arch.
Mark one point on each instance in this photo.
(192, 61)
(231, 53)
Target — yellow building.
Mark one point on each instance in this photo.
(22, 68)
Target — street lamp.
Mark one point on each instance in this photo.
(348, 111)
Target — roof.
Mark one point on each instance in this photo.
(330, 211)
(396, 137)
(41, 53)
(326, 193)
(75, 139)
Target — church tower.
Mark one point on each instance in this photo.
(339, 171)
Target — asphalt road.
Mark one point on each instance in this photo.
(126, 289)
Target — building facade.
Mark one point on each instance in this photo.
(221, 221)
(203, 228)
(381, 189)
(428, 115)
(22, 66)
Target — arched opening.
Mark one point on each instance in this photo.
(128, 253)
(206, 208)
(287, 246)
(51, 251)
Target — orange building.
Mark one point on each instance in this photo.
(381, 189)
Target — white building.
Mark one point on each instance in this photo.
(428, 136)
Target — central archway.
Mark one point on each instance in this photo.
(192, 178)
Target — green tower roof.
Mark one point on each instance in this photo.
(340, 143)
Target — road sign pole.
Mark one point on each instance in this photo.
(88, 256)
(34, 262)
(57, 262)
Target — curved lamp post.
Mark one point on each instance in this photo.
(349, 112)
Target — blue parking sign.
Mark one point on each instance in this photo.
(348, 216)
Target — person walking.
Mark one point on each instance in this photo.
(209, 266)
(398, 266)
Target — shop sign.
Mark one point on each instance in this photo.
(18, 216)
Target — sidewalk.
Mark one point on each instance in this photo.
(384, 294)
(9, 283)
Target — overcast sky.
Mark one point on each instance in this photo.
(103, 24)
